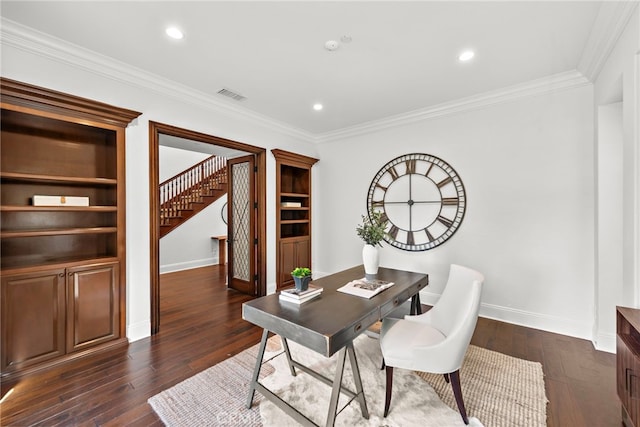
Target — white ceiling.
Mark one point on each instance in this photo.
(402, 57)
(200, 147)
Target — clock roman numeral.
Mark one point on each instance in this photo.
(377, 203)
(384, 217)
(394, 173)
(380, 186)
(410, 240)
(393, 232)
(444, 182)
(445, 221)
(428, 170)
(449, 201)
(429, 235)
(411, 166)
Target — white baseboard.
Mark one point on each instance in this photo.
(605, 342)
(169, 268)
(139, 330)
(553, 324)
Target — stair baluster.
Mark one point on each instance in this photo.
(190, 191)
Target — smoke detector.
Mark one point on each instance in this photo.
(331, 45)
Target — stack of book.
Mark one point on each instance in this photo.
(298, 297)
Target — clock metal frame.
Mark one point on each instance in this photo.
(423, 199)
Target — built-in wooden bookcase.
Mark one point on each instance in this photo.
(293, 206)
(63, 266)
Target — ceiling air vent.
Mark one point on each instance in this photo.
(231, 94)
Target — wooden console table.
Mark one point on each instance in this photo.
(222, 249)
(328, 324)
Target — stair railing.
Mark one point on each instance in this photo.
(191, 184)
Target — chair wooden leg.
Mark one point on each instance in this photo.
(457, 392)
(387, 399)
(446, 378)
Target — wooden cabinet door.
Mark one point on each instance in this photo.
(303, 253)
(93, 309)
(287, 263)
(293, 253)
(33, 318)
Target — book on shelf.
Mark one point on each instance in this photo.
(296, 296)
(291, 204)
(365, 288)
(40, 200)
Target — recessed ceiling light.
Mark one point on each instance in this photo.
(174, 33)
(466, 55)
(317, 107)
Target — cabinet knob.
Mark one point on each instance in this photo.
(61, 274)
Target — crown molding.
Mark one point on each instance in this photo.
(609, 25)
(41, 44)
(55, 49)
(557, 82)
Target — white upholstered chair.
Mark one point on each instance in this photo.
(435, 341)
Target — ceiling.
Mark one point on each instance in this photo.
(402, 56)
(200, 147)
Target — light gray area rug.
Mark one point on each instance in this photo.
(501, 390)
(216, 397)
(414, 402)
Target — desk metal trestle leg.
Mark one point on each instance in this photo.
(336, 384)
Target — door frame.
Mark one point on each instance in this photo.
(155, 129)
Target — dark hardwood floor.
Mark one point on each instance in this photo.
(201, 325)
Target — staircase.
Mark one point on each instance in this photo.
(192, 190)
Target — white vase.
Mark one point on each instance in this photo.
(370, 259)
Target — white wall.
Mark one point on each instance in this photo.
(609, 222)
(527, 167)
(172, 161)
(619, 279)
(190, 245)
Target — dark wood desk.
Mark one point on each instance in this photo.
(328, 324)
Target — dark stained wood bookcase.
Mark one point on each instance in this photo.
(62, 267)
(293, 219)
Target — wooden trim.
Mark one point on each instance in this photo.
(290, 158)
(155, 129)
(154, 224)
(36, 97)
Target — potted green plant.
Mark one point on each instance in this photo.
(372, 231)
(301, 277)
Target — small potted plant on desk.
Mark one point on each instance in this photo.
(302, 277)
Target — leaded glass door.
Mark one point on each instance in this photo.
(242, 238)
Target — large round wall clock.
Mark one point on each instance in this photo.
(423, 199)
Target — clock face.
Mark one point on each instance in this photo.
(423, 199)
